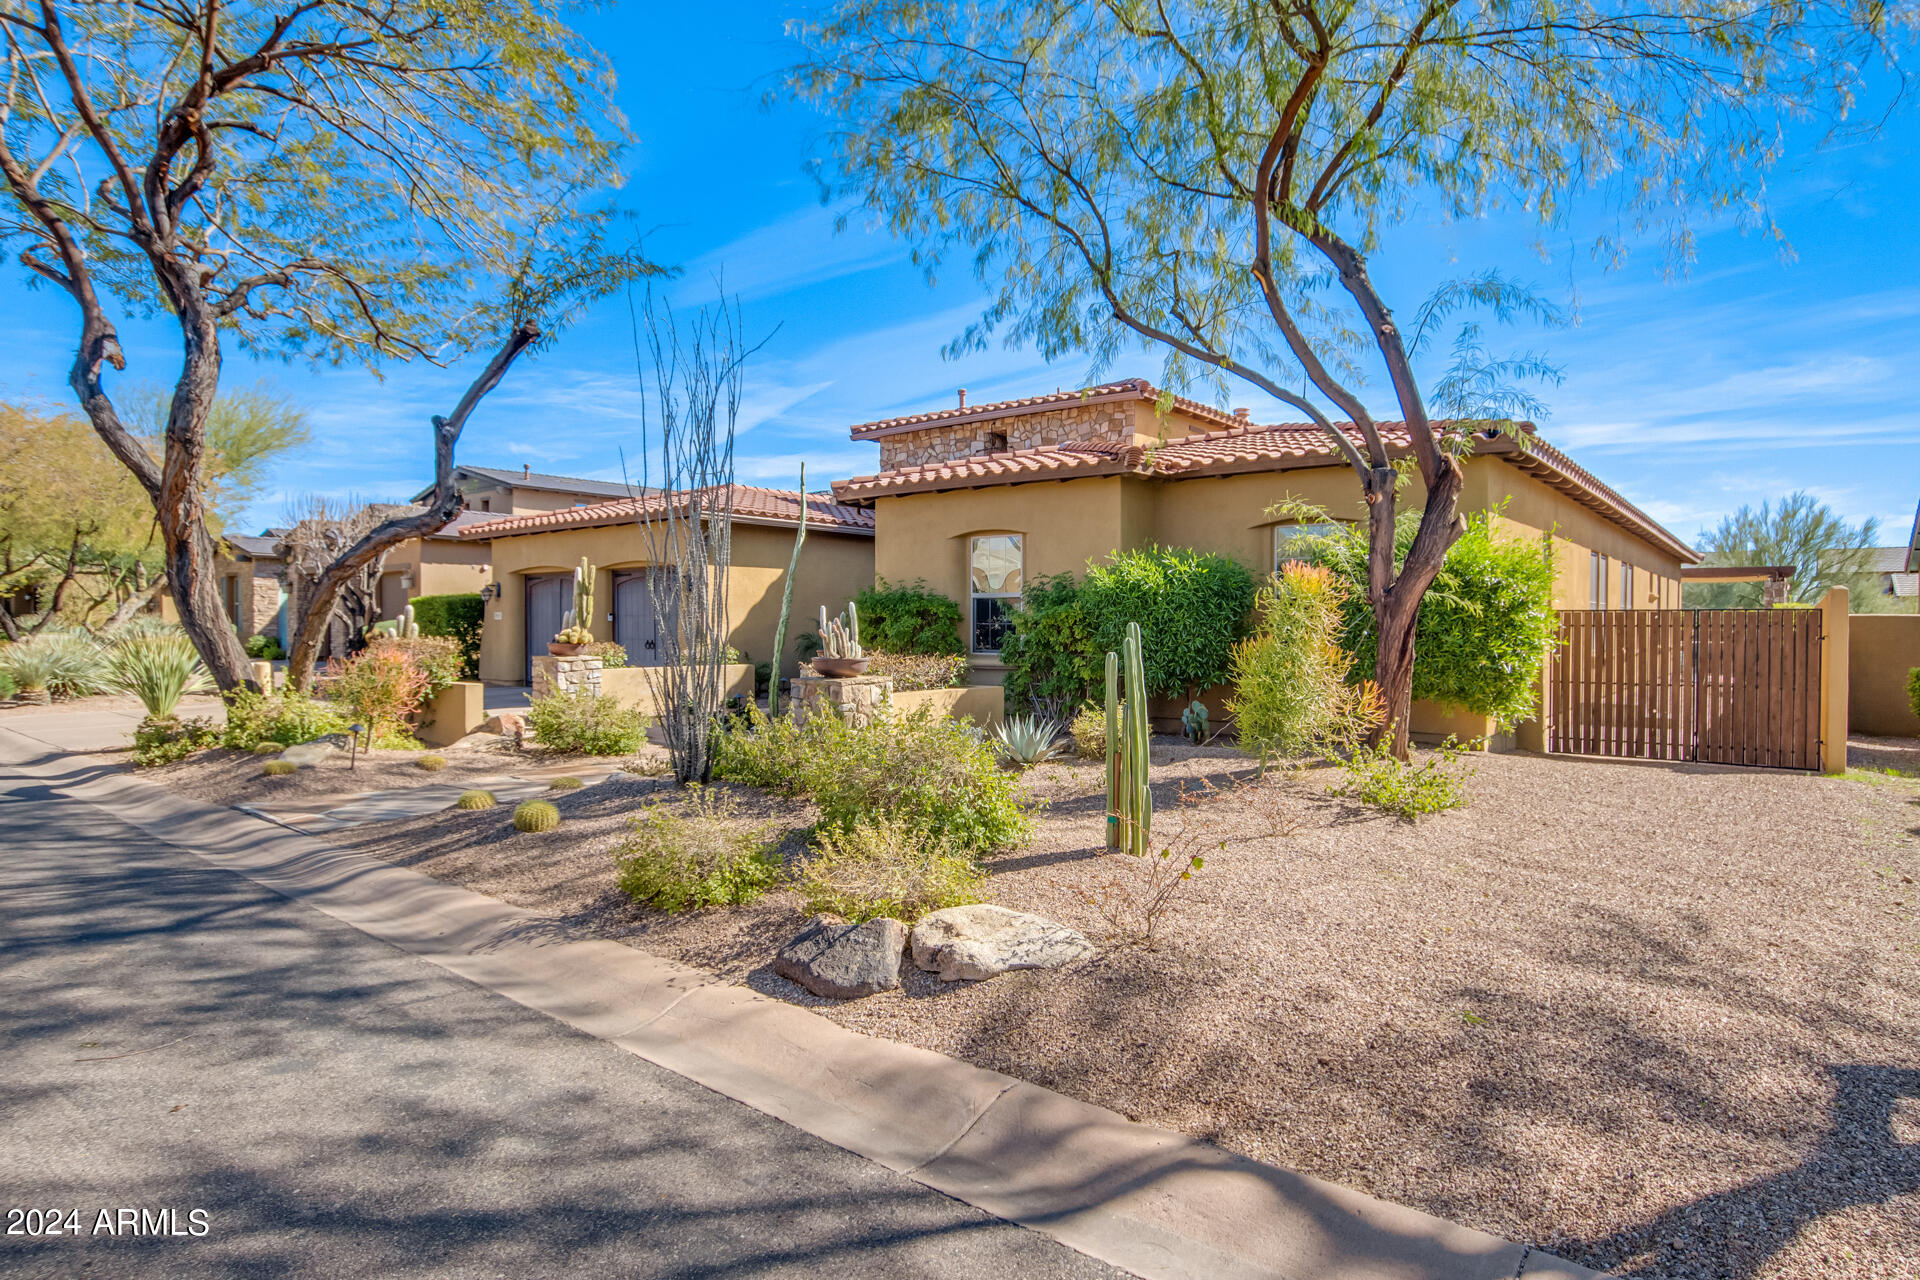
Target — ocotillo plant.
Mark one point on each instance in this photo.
(1129, 796)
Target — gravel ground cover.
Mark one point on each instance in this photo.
(233, 777)
(193, 704)
(1664, 1020)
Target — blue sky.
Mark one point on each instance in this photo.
(1741, 381)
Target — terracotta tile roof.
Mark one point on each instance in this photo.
(1250, 448)
(751, 505)
(1125, 389)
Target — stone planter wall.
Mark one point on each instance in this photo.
(566, 675)
(859, 700)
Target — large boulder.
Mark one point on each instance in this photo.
(971, 943)
(844, 961)
(309, 754)
(507, 723)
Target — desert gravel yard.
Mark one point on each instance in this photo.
(1664, 1020)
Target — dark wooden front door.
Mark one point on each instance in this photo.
(548, 598)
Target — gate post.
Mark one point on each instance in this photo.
(1834, 680)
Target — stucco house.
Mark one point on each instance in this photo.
(534, 555)
(503, 491)
(979, 499)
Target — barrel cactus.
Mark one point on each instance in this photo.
(268, 748)
(535, 815)
(432, 764)
(565, 784)
(475, 800)
(279, 768)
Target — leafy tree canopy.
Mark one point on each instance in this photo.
(248, 429)
(1824, 550)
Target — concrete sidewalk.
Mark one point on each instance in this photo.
(1147, 1200)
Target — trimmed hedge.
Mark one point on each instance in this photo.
(1191, 606)
(457, 617)
(908, 619)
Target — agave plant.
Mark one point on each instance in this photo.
(1027, 740)
(65, 664)
(157, 668)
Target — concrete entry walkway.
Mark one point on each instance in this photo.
(179, 1037)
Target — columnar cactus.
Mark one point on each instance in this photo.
(1129, 795)
(840, 637)
(408, 628)
(583, 577)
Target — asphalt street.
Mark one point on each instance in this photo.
(306, 1100)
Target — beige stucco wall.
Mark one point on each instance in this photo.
(1882, 648)
(833, 568)
(434, 567)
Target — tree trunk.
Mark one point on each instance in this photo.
(1396, 607)
(445, 504)
(134, 604)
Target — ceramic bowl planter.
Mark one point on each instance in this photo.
(839, 668)
(559, 649)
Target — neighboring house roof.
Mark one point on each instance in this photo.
(1249, 448)
(1106, 393)
(1886, 560)
(260, 547)
(463, 522)
(525, 479)
(751, 505)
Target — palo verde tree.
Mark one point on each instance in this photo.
(1210, 177)
(322, 177)
(1824, 550)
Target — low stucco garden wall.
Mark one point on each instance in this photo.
(1882, 648)
(634, 686)
(984, 704)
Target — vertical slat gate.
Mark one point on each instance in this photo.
(1728, 686)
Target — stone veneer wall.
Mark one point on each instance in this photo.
(263, 610)
(859, 700)
(1111, 423)
(566, 675)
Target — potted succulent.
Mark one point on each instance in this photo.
(573, 637)
(840, 652)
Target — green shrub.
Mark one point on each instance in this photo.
(1290, 690)
(706, 858)
(1377, 779)
(1048, 648)
(283, 718)
(458, 618)
(908, 620)
(7, 687)
(475, 800)
(1089, 730)
(565, 784)
(910, 671)
(158, 669)
(264, 648)
(65, 664)
(167, 739)
(931, 772)
(1191, 607)
(432, 764)
(1486, 624)
(535, 815)
(279, 768)
(609, 653)
(885, 868)
(581, 722)
(761, 752)
(1913, 690)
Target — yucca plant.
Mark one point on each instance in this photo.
(158, 668)
(62, 664)
(1027, 740)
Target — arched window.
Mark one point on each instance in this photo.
(994, 563)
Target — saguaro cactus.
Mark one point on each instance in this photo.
(583, 592)
(1129, 795)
